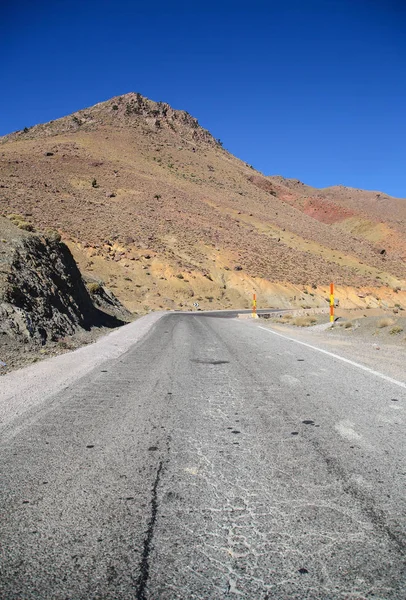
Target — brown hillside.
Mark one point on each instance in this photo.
(152, 204)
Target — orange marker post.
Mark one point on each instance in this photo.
(331, 302)
(254, 306)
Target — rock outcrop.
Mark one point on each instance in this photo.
(42, 294)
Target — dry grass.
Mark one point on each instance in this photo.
(15, 217)
(94, 287)
(395, 330)
(25, 226)
(53, 236)
(304, 321)
(385, 322)
(20, 222)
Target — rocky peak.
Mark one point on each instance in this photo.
(128, 110)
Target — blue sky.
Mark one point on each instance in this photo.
(311, 89)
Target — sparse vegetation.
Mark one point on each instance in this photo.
(304, 321)
(95, 287)
(385, 322)
(20, 222)
(25, 225)
(395, 330)
(284, 319)
(157, 196)
(95, 184)
(64, 344)
(15, 217)
(53, 236)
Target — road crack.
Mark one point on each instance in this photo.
(144, 564)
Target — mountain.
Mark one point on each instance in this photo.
(150, 203)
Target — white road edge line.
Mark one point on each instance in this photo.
(346, 360)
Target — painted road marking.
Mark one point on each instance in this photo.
(346, 360)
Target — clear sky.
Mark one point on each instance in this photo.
(311, 89)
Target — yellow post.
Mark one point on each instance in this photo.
(331, 302)
(254, 306)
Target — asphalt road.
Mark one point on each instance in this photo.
(231, 313)
(211, 460)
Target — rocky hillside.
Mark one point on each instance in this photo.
(42, 295)
(150, 203)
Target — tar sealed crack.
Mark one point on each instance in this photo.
(209, 362)
(144, 565)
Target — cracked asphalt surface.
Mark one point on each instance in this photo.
(211, 460)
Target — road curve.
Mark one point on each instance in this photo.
(211, 460)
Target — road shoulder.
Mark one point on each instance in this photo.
(388, 359)
(26, 388)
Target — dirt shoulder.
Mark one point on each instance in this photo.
(378, 342)
(15, 354)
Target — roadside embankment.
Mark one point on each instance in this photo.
(45, 307)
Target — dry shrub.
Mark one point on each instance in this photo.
(53, 236)
(395, 330)
(385, 322)
(20, 222)
(64, 344)
(304, 321)
(94, 287)
(15, 217)
(24, 225)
